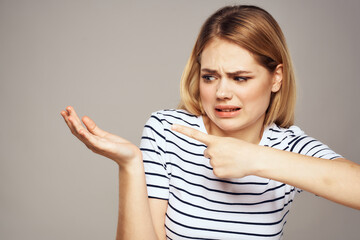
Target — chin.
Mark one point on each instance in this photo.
(229, 125)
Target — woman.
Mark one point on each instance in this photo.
(228, 163)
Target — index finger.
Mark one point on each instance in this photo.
(192, 133)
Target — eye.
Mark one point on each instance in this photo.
(208, 78)
(241, 79)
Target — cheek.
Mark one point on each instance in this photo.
(206, 94)
(257, 96)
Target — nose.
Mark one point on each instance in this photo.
(223, 90)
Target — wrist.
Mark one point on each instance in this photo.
(132, 166)
(260, 160)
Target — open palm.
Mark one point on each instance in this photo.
(99, 141)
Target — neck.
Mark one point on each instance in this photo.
(252, 133)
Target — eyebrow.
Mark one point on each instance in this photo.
(207, 70)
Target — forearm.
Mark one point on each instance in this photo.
(338, 181)
(134, 220)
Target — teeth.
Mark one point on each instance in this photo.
(228, 110)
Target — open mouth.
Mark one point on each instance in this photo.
(227, 109)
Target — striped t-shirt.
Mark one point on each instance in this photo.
(203, 206)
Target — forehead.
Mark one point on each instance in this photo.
(228, 56)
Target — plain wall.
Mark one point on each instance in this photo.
(118, 61)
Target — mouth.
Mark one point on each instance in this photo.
(227, 108)
(227, 111)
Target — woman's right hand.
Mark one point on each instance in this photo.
(101, 142)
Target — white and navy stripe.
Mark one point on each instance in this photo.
(202, 206)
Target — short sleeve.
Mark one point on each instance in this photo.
(153, 148)
(293, 139)
(299, 142)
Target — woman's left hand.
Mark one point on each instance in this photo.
(229, 157)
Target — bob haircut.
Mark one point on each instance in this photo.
(255, 30)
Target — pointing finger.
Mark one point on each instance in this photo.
(192, 133)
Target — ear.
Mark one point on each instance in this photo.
(277, 78)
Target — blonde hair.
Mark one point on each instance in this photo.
(256, 30)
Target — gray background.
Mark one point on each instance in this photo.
(118, 61)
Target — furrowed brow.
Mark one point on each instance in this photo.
(232, 74)
(207, 70)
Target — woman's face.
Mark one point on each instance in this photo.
(234, 89)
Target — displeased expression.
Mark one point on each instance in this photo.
(235, 89)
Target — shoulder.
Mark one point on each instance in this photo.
(294, 139)
(291, 131)
(285, 138)
(167, 117)
(158, 126)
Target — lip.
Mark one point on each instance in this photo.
(227, 114)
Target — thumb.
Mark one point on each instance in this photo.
(92, 127)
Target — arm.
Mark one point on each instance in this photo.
(337, 180)
(135, 213)
(139, 216)
(158, 209)
(134, 219)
